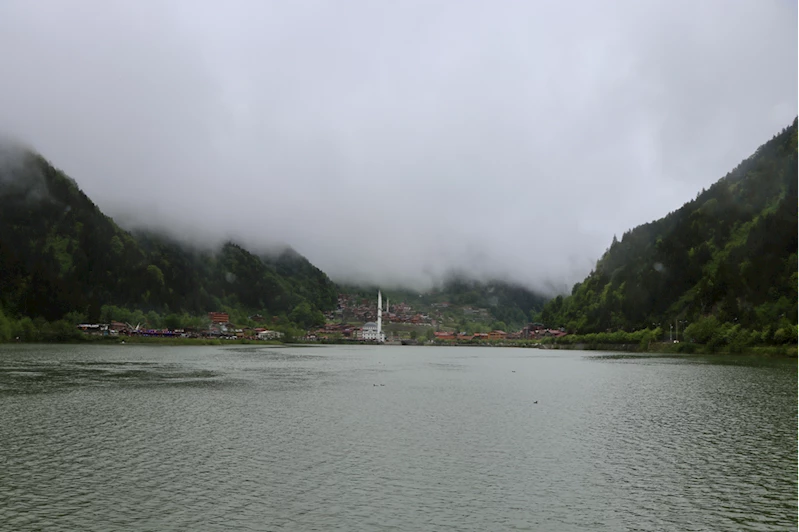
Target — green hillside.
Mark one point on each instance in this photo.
(60, 254)
(508, 305)
(727, 257)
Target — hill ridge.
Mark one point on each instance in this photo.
(59, 253)
(730, 253)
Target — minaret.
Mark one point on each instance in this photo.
(379, 316)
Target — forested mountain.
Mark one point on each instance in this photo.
(729, 256)
(506, 302)
(60, 254)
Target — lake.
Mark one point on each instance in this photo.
(134, 437)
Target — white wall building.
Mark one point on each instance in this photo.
(269, 335)
(374, 330)
(371, 332)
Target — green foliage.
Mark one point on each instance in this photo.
(703, 330)
(5, 327)
(156, 273)
(173, 321)
(154, 321)
(39, 330)
(75, 317)
(306, 317)
(508, 303)
(60, 331)
(25, 330)
(116, 246)
(727, 258)
(60, 254)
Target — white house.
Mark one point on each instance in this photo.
(269, 335)
(372, 332)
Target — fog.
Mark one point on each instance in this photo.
(390, 142)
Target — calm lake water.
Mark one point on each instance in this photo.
(393, 438)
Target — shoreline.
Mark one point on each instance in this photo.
(782, 351)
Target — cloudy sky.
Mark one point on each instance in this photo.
(391, 141)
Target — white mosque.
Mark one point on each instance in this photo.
(374, 331)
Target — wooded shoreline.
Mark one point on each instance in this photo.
(783, 351)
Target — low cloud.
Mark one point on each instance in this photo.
(393, 142)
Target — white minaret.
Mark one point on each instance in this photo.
(379, 316)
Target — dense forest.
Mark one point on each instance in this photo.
(723, 268)
(60, 256)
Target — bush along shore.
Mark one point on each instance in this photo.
(706, 336)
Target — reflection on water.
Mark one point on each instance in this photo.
(206, 438)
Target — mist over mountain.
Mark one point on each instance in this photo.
(60, 254)
(728, 257)
(393, 144)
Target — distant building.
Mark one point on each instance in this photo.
(532, 330)
(269, 335)
(497, 335)
(219, 317)
(371, 331)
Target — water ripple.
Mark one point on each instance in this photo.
(308, 439)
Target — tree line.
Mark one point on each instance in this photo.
(725, 263)
(59, 254)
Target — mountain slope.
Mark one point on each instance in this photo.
(505, 302)
(59, 253)
(730, 253)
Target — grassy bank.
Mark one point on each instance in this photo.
(788, 351)
(683, 348)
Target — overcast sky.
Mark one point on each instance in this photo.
(391, 141)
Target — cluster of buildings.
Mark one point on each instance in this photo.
(372, 331)
(464, 337)
(116, 328)
(533, 331)
(354, 309)
(367, 332)
(219, 327)
(537, 331)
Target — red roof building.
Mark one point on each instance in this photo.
(219, 317)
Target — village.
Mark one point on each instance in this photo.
(219, 327)
(354, 315)
(354, 320)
